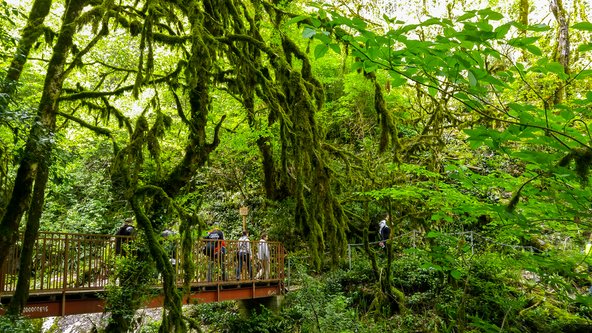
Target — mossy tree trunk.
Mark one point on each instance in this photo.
(29, 36)
(40, 140)
(40, 144)
(563, 46)
(224, 48)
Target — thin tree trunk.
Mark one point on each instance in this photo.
(523, 12)
(21, 294)
(562, 45)
(39, 143)
(30, 34)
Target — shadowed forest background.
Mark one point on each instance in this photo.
(468, 123)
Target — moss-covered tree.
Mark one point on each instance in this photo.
(35, 167)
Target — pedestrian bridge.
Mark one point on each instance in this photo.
(71, 271)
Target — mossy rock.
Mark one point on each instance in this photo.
(546, 317)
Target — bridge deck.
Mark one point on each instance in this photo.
(71, 271)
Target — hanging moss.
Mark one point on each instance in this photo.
(582, 158)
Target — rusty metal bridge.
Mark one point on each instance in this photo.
(71, 271)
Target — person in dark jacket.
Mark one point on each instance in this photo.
(127, 229)
(215, 249)
(384, 231)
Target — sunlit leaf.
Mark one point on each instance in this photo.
(296, 19)
(472, 79)
(490, 14)
(587, 26)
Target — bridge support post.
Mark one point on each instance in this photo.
(249, 306)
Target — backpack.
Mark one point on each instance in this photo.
(129, 230)
(243, 246)
(220, 247)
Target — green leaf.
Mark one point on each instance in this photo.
(308, 33)
(323, 38)
(468, 15)
(585, 47)
(472, 79)
(502, 30)
(358, 23)
(538, 27)
(557, 68)
(583, 74)
(316, 22)
(494, 81)
(296, 19)
(587, 26)
(517, 107)
(522, 41)
(455, 274)
(432, 91)
(320, 50)
(484, 26)
(462, 96)
(490, 14)
(534, 50)
(397, 80)
(370, 66)
(430, 21)
(335, 48)
(568, 113)
(356, 65)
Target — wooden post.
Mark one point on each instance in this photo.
(244, 211)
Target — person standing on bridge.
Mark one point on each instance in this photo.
(244, 255)
(263, 256)
(384, 232)
(215, 249)
(127, 229)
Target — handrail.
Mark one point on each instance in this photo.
(69, 262)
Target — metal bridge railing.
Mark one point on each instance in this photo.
(66, 263)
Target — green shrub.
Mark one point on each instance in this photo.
(263, 321)
(214, 314)
(20, 325)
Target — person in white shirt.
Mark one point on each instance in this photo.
(263, 256)
(384, 231)
(243, 255)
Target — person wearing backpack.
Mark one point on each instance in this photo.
(263, 256)
(127, 229)
(243, 255)
(384, 231)
(215, 249)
